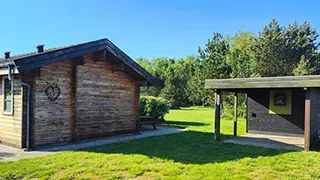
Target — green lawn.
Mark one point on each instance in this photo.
(188, 155)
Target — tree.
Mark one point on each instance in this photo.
(278, 50)
(269, 52)
(301, 43)
(213, 64)
(240, 57)
(275, 51)
(147, 65)
(213, 58)
(304, 67)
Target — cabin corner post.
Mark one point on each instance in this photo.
(217, 116)
(235, 116)
(307, 120)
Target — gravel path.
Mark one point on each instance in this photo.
(13, 154)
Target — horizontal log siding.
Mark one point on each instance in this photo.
(107, 102)
(51, 119)
(11, 125)
(94, 102)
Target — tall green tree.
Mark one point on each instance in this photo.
(241, 57)
(269, 52)
(301, 43)
(278, 50)
(213, 63)
(304, 67)
(147, 65)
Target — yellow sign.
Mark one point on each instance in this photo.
(280, 102)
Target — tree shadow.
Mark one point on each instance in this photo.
(190, 147)
(182, 124)
(192, 108)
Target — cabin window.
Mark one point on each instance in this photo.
(7, 94)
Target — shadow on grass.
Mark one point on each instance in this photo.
(189, 147)
(182, 124)
(192, 108)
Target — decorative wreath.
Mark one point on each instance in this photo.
(53, 92)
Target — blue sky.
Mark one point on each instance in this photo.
(147, 28)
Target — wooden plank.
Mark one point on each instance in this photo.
(235, 116)
(217, 116)
(265, 82)
(11, 125)
(103, 99)
(307, 120)
(118, 67)
(54, 114)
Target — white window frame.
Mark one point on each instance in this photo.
(3, 97)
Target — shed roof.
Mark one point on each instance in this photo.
(264, 82)
(33, 60)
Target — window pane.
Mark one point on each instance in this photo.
(7, 87)
(8, 106)
(7, 95)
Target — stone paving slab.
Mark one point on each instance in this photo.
(12, 154)
(270, 141)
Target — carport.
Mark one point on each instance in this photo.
(282, 106)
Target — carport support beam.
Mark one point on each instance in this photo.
(307, 120)
(217, 116)
(235, 116)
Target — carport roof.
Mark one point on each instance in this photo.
(264, 82)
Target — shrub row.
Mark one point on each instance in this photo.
(154, 106)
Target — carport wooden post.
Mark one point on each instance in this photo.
(307, 120)
(217, 116)
(235, 115)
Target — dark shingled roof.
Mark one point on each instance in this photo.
(33, 60)
(4, 62)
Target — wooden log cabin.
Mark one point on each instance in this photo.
(70, 93)
(287, 105)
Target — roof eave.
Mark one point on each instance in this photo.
(266, 82)
(39, 60)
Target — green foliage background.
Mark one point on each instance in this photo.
(276, 50)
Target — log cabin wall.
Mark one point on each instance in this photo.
(94, 102)
(106, 102)
(51, 119)
(11, 125)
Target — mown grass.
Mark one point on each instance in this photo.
(188, 155)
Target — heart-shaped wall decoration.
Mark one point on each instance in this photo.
(53, 92)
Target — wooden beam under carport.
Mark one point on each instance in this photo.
(307, 120)
(217, 116)
(235, 115)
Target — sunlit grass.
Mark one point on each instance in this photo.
(189, 155)
(201, 119)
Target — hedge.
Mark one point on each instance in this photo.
(154, 106)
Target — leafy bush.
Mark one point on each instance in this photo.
(228, 103)
(154, 106)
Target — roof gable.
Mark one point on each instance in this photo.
(31, 61)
